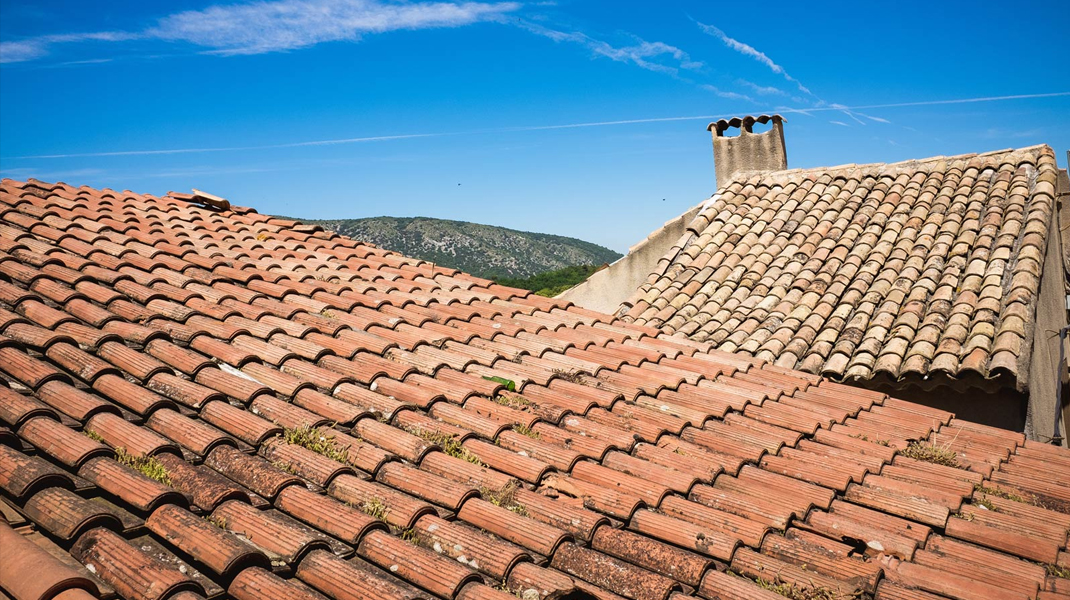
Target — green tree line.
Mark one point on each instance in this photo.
(551, 283)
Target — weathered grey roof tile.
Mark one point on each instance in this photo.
(909, 268)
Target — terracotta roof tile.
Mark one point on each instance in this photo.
(254, 583)
(133, 573)
(203, 486)
(861, 272)
(135, 489)
(626, 463)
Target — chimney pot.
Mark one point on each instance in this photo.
(748, 153)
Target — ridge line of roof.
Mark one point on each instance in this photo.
(856, 166)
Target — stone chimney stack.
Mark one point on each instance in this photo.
(748, 153)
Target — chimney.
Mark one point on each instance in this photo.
(748, 153)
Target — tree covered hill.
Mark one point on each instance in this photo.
(552, 283)
(482, 250)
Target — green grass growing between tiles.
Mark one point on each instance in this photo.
(149, 466)
(316, 440)
(504, 497)
(448, 443)
(931, 452)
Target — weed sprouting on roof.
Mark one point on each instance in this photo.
(149, 466)
(571, 375)
(449, 444)
(865, 438)
(411, 536)
(932, 452)
(220, 522)
(513, 401)
(504, 497)
(284, 466)
(89, 433)
(997, 492)
(1030, 499)
(525, 430)
(317, 440)
(794, 591)
(1057, 571)
(517, 591)
(373, 507)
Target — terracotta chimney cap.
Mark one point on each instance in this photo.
(744, 123)
(748, 153)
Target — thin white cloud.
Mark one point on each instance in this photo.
(90, 61)
(12, 52)
(762, 89)
(278, 25)
(993, 133)
(877, 119)
(76, 63)
(34, 48)
(598, 124)
(260, 27)
(725, 94)
(841, 123)
(853, 117)
(965, 100)
(752, 52)
(386, 138)
(855, 114)
(50, 174)
(381, 138)
(652, 56)
(200, 171)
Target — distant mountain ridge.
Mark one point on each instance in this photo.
(481, 250)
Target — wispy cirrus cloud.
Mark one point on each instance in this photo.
(278, 25)
(763, 90)
(752, 52)
(849, 114)
(261, 27)
(725, 94)
(21, 51)
(38, 47)
(497, 130)
(652, 56)
(54, 174)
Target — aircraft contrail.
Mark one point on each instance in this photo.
(380, 138)
(386, 138)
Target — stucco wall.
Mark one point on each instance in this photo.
(1050, 318)
(605, 290)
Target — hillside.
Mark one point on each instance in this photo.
(552, 283)
(482, 250)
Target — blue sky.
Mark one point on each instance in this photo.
(495, 112)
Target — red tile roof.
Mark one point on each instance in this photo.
(893, 272)
(200, 400)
